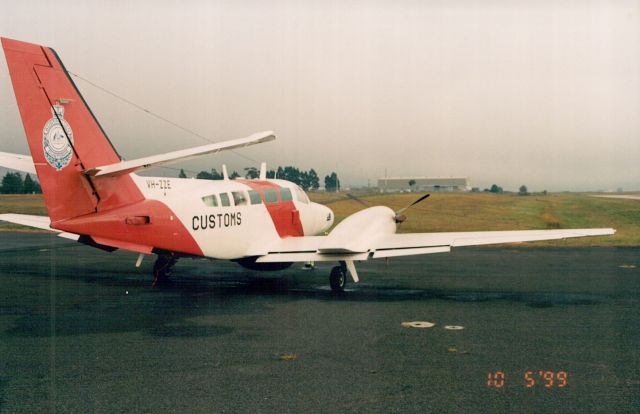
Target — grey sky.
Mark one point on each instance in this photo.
(543, 93)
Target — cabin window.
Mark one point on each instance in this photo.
(239, 198)
(254, 196)
(270, 196)
(301, 196)
(285, 194)
(224, 199)
(210, 200)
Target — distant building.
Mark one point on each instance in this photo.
(433, 184)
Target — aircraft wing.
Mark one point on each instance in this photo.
(398, 244)
(18, 162)
(126, 167)
(301, 249)
(39, 222)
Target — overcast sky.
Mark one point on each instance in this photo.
(542, 93)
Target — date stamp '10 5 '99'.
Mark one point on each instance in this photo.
(530, 379)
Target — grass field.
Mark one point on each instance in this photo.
(487, 211)
(463, 212)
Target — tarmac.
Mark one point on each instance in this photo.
(535, 329)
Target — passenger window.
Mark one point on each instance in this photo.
(210, 200)
(224, 199)
(239, 198)
(270, 196)
(285, 194)
(301, 196)
(254, 196)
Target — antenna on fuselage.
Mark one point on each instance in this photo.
(225, 174)
(263, 171)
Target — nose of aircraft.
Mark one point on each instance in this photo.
(328, 218)
(322, 218)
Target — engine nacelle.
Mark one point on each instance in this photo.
(356, 233)
(251, 264)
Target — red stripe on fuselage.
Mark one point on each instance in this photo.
(164, 230)
(284, 214)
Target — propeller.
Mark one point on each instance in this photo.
(399, 217)
(358, 200)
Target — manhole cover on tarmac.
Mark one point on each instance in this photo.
(418, 324)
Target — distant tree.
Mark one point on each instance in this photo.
(313, 180)
(496, 189)
(234, 175)
(308, 180)
(304, 180)
(29, 186)
(12, 183)
(251, 173)
(182, 174)
(290, 173)
(204, 175)
(412, 182)
(331, 182)
(523, 190)
(213, 175)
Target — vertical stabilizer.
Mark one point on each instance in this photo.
(64, 136)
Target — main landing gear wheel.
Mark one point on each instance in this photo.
(162, 268)
(338, 279)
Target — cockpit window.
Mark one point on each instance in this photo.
(224, 199)
(270, 196)
(285, 194)
(301, 196)
(210, 200)
(254, 196)
(239, 198)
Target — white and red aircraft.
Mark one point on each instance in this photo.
(95, 197)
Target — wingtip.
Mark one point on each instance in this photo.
(268, 135)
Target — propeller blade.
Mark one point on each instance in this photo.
(356, 199)
(412, 204)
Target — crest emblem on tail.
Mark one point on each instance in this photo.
(56, 143)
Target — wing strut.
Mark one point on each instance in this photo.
(351, 267)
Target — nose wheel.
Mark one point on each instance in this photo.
(338, 278)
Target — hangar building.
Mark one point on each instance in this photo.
(433, 184)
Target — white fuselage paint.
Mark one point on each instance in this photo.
(234, 231)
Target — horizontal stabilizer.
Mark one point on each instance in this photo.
(126, 167)
(38, 222)
(17, 162)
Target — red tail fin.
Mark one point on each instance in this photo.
(64, 137)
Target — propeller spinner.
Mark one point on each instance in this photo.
(399, 217)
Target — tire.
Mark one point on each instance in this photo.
(338, 279)
(162, 269)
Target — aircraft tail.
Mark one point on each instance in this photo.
(64, 136)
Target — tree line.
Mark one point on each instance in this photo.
(13, 183)
(308, 180)
(523, 190)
